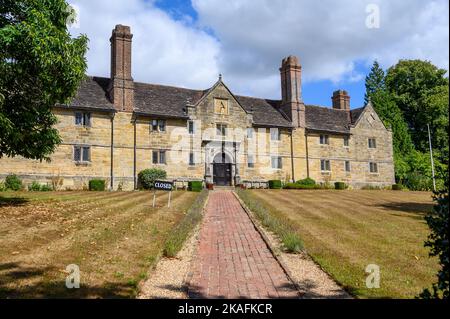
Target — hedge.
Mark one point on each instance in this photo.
(36, 187)
(275, 184)
(397, 187)
(195, 186)
(306, 181)
(97, 185)
(301, 186)
(340, 185)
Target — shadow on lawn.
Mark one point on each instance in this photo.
(416, 210)
(20, 282)
(12, 201)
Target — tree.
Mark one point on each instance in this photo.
(439, 244)
(420, 90)
(392, 117)
(375, 81)
(40, 66)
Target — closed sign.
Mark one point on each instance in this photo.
(163, 185)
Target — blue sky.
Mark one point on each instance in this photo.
(188, 43)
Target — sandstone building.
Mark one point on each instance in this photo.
(116, 127)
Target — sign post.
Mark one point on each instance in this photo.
(164, 186)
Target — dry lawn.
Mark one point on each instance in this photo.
(113, 237)
(344, 231)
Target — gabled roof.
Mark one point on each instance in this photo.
(169, 101)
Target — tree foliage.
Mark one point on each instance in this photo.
(420, 90)
(40, 66)
(439, 244)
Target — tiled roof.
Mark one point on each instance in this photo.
(326, 119)
(92, 94)
(168, 101)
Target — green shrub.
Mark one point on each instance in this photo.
(180, 233)
(46, 188)
(195, 186)
(147, 177)
(275, 184)
(417, 181)
(2, 187)
(437, 241)
(34, 187)
(13, 182)
(340, 185)
(306, 181)
(300, 186)
(97, 185)
(273, 221)
(397, 187)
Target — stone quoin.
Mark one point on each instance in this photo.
(116, 127)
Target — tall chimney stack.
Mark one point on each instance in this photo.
(341, 100)
(121, 89)
(291, 91)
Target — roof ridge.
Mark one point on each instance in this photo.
(170, 86)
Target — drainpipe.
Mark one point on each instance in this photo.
(112, 152)
(292, 156)
(307, 154)
(134, 154)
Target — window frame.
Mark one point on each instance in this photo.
(84, 155)
(349, 168)
(191, 159)
(250, 132)
(222, 132)
(83, 119)
(324, 139)
(158, 125)
(162, 157)
(372, 145)
(373, 165)
(191, 127)
(278, 134)
(346, 141)
(325, 165)
(250, 163)
(278, 160)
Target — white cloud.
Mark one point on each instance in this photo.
(165, 51)
(252, 36)
(328, 36)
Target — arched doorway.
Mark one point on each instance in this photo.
(222, 170)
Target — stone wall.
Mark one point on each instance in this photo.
(178, 143)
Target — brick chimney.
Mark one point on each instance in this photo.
(121, 90)
(291, 91)
(341, 100)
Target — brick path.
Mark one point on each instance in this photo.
(232, 259)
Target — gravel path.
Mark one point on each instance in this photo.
(168, 279)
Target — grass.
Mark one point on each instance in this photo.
(273, 221)
(181, 232)
(114, 237)
(344, 231)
